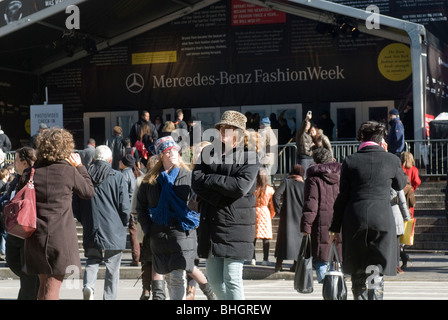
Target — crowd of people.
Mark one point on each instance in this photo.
(178, 212)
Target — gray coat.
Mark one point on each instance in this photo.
(399, 209)
(104, 217)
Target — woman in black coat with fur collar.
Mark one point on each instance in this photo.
(363, 213)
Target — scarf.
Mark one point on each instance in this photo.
(171, 206)
(371, 143)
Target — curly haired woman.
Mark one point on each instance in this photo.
(52, 250)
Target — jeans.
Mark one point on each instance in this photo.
(305, 162)
(112, 260)
(321, 268)
(225, 276)
(177, 284)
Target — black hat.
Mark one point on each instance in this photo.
(128, 160)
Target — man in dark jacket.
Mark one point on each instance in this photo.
(135, 130)
(104, 219)
(88, 153)
(395, 137)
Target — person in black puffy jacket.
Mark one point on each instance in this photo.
(226, 188)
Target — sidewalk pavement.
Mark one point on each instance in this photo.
(424, 266)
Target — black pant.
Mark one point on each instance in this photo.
(265, 249)
(29, 284)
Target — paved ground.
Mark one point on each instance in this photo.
(425, 278)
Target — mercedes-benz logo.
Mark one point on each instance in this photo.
(135, 83)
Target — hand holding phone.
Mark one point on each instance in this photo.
(309, 114)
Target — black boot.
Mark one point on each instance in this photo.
(359, 288)
(158, 290)
(208, 292)
(375, 284)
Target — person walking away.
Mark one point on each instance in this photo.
(126, 165)
(288, 203)
(116, 144)
(52, 250)
(164, 214)
(104, 219)
(15, 247)
(401, 213)
(321, 190)
(395, 137)
(265, 211)
(127, 149)
(410, 202)
(227, 206)
(87, 153)
(408, 165)
(362, 211)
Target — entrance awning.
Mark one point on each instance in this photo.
(40, 41)
(391, 28)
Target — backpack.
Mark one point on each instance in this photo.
(142, 151)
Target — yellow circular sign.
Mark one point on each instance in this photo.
(28, 126)
(394, 62)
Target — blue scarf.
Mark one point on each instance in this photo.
(171, 206)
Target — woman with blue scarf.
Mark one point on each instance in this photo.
(164, 215)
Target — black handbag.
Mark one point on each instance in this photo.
(303, 277)
(333, 285)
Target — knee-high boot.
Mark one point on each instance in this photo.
(158, 290)
(208, 292)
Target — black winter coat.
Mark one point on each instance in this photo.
(362, 210)
(227, 205)
(321, 190)
(171, 247)
(288, 203)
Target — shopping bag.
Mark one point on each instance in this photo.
(333, 284)
(20, 212)
(303, 277)
(408, 236)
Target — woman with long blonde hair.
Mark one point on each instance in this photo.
(164, 215)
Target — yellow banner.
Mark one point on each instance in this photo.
(154, 57)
